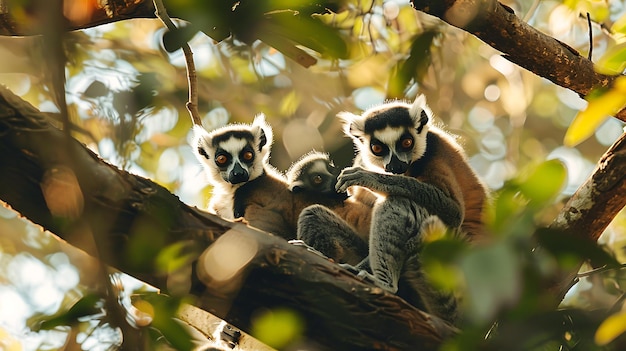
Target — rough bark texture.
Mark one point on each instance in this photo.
(105, 211)
(499, 27)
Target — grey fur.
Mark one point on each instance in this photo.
(423, 178)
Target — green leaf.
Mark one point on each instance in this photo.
(278, 327)
(176, 256)
(492, 276)
(505, 208)
(619, 26)
(306, 31)
(570, 249)
(613, 61)
(415, 66)
(165, 308)
(544, 183)
(598, 110)
(88, 305)
(439, 258)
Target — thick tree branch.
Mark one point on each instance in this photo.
(499, 27)
(594, 205)
(104, 11)
(126, 221)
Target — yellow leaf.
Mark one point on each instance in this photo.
(619, 26)
(599, 109)
(611, 328)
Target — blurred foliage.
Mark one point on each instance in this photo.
(502, 283)
(278, 328)
(126, 95)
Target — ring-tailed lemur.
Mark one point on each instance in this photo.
(245, 185)
(424, 177)
(236, 161)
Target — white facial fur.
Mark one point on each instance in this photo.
(203, 139)
(354, 126)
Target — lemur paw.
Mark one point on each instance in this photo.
(352, 176)
(304, 245)
(363, 275)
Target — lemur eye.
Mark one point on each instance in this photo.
(318, 179)
(221, 159)
(407, 143)
(248, 155)
(376, 149)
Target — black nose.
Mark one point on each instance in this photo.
(238, 175)
(396, 166)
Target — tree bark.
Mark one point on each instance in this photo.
(103, 11)
(500, 28)
(127, 221)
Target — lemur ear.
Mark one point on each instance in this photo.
(296, 186)
(261, 128)
(200, 139)
(352, 125)
(420, 113)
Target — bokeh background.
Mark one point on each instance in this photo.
(126, 95)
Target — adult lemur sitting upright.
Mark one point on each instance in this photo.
(236, 161)
(245, 185)
(423, 175)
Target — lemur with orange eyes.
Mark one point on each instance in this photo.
(245, 185)
(423, 177)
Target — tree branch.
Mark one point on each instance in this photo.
(593, 206)
(126, 221)
(499, 27)
(104, 11)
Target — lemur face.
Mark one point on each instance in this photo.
(314, 172)
(391, 136)
(234, 154)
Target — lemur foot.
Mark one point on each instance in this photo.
(366, 276)
(309, 248)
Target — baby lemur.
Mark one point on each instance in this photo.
(315, 173)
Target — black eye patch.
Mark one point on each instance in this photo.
(202, 152)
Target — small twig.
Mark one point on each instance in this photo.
(600, 270)
(602, 26)
(192, 78)
(590, 36)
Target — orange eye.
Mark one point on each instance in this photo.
(376, 149)
(248, 155)
(221, 159)
(318, 179)
(407, 143)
